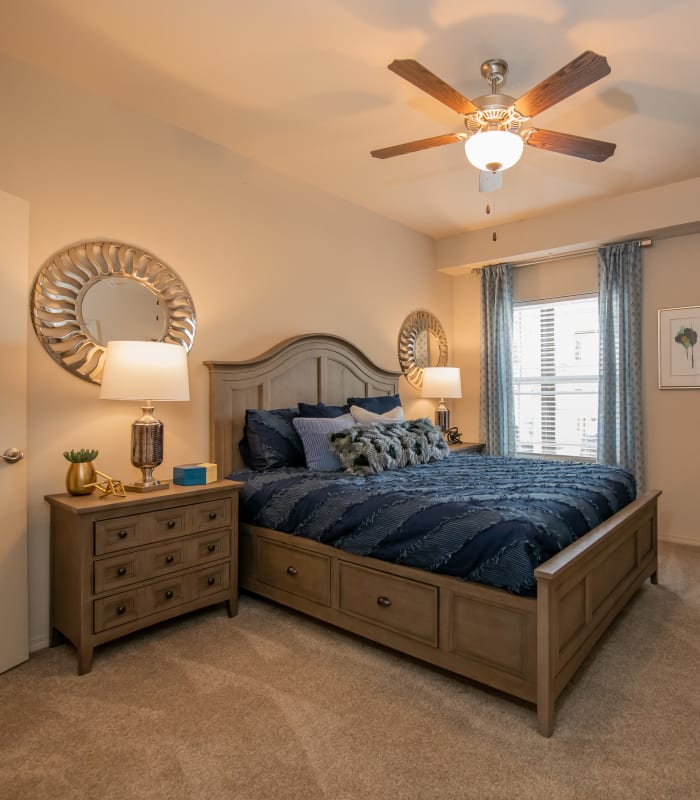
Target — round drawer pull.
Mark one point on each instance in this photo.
(171, 524)
(384, 602)
(212, 515)
(169, 594)
(123, 534)
(211, 547)
(211, 581)
(169, 558)
(121, 610)
(121, 572)
(291, 571)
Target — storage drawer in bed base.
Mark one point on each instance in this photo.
(427, 617)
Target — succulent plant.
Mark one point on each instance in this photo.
(78, 456)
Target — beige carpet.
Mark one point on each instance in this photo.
(273, 705)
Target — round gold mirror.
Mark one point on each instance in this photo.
(422, 343)
(96, 292)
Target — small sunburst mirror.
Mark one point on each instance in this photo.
(422, 343)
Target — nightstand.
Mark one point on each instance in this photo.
(467, 447)
(119, 564)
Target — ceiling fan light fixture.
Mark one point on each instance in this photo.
(493, 151)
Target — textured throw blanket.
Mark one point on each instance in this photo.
(368, 449)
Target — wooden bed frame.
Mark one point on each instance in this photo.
(527, 647)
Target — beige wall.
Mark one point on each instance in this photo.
(671, 279)
(264, 257)
(672, 431)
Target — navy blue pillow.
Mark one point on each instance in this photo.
(270, 440)
(377, 405)
(321, 410)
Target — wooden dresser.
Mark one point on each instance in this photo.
(123, 563)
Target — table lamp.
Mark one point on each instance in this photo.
(441, 382)
(136, 371)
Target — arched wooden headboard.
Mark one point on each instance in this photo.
(314, 368)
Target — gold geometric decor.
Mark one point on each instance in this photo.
(108, 485)
(95, 291)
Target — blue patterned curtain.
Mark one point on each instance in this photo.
(497, 417)
(620, 388)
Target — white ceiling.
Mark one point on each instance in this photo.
(302, 86)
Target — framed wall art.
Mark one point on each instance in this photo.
(679, 353)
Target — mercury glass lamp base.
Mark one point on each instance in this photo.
(147, 451)
(442, 416)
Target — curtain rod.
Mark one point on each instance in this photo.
(531, 262)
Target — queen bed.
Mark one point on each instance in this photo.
(520, 615)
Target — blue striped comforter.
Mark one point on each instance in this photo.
(483, 519)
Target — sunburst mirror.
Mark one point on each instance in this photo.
(422, 343)
(94, 292)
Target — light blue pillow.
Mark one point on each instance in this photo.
(314, 433)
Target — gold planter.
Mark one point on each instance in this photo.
(78, 475)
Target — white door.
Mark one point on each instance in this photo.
(14, 233)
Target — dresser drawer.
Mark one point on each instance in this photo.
(117, 571)
(209, 547)
(165, 524)
(209, 581)
(210, 515)
(299, 572)
(166, 594)
(164, 558)
(401, 605)
(117, 534)
(119, 609)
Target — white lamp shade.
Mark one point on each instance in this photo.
(145, 371)
(493, 151)
(441, 382)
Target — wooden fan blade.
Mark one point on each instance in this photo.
(419, 144)
(421, 77)
(569, 145)
(576, 75)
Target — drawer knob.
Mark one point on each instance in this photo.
(211, 547)
(211, 581)
(212, 515)
(123, 534)
(291, 571)
(171, 523)
(121, 572)
(384, 602)
(121, 610)
(169, 559)
(169, 594)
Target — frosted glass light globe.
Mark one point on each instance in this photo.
(493, 151)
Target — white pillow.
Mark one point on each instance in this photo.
(363, 416)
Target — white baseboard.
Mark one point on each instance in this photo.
(38, 643)
(679, 540)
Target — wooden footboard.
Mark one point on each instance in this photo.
(581, 590)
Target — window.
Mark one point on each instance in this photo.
(555, 377)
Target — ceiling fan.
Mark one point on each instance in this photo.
(495, 134)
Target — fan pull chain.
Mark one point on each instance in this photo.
(489, 206)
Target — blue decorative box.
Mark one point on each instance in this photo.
(194, 474)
